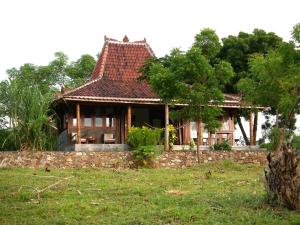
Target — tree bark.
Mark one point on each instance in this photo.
(255, 127)
(238, 117)
(199, 138)
(283, 178)
(166, 144)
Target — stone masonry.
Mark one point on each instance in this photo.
(122, 159)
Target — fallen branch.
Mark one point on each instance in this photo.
(51, 186)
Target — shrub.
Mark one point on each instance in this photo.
(192, 144)
(144, 136)
(268, 146)
(296, 142)
(146, 153)
(143, 142)
(223, 146)
(172, 135)
(6, 141)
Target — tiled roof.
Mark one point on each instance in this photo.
(114, 78)
(114, 88)
(121, 60)
(116, 72)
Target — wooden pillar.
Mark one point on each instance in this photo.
(128, 118)
(251, 129)
(199, 132)
(128, 121)
(166, 147)
(78, 123)
(186, 132)
(209, 139)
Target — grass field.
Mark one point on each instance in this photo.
(232, 194)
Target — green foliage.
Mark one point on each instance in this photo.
(146, 153)
(192, 144)
(296, 33)
(26, 96)
(296, 142)
(172, 136)
(6, 141)
(192, 78)
(31, 119)
(80, 70)
(208, 41)
(274, 83)
(222, 146)
(143, 141)
(144, 136)
(268, 146)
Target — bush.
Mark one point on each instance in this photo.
(268, 146)
(172, 135)
(222, 146)
(6, 141)
(144, 136)
(143, 142)
(146, 153)
(296, 142)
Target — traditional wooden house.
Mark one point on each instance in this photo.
(98, 114)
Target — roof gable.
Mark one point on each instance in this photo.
(121, 60)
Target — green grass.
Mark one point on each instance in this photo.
(233, 194)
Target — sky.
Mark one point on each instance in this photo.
(32, 31)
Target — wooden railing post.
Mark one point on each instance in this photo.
(78, 123)
(166, 146)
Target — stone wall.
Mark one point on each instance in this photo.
(122, 159)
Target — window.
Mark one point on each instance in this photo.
(109, 122)
(74, 122)
(98, 122)
(88, 122)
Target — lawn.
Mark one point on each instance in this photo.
(230, 194)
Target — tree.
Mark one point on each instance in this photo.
(80, 71)
(193, 78)
(274, 81)
(238, 50)
(26, 96)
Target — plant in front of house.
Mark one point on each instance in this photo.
(222, 146)
(172, 136)
(143, 142)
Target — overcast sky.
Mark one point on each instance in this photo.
(32, 30)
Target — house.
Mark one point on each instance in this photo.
(99, 114)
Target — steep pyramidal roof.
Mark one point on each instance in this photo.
(121, 60)
(116, 72)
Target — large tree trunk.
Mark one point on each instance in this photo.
(283, 174)
(283, 178)
(238, 118)
(255, 127)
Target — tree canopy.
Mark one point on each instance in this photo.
(194, 78)
(274, 81)
(26, 95)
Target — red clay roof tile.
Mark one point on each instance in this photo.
(117, 70)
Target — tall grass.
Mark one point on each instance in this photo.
(31, 118)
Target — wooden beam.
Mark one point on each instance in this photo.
(78, 123)
(251, 129)
(199, 132)
(166, 146)
(209, 138)
(128, 122)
